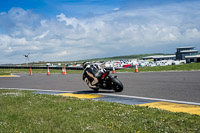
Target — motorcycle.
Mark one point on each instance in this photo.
(106, 81)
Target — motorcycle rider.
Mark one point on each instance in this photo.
(92, 70)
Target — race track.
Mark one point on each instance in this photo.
(181, 86)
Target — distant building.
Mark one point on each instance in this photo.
(160, 57)
(193, 58)
(182, 52)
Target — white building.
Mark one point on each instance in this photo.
(193, 58)
(160, 57)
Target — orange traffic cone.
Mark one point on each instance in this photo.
(136, 68)
(64, 71)
(31, 71)
(113, 69)
(48, 72)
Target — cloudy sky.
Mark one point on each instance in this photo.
(64, 30)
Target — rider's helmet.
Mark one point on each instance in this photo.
(85, 64)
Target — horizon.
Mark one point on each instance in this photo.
(150, 54)
(56, 30)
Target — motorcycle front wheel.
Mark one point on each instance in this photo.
(116, 85)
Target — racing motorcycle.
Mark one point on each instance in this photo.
(106, 81)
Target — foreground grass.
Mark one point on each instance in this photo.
(182, 67)
(23, 111)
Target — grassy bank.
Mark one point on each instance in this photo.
(23, 111)
(183, 67)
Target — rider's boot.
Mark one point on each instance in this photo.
(92, 86)
(89, 84)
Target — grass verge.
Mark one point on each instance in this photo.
(4, 72)
(23, 111)
(9, 71)
(182, 67)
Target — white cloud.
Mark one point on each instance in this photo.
(43, 23)
(69, 21)
(9, 50)
(121, 32)
(42, 35)
(116, 9)
(63, 53)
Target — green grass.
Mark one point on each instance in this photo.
(124, 57)
(25, 112)
(4, 72)
(9, 71)
(183, 67)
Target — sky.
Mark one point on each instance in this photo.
(70, 30)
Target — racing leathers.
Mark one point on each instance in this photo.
(94, 71)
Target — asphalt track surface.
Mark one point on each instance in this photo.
(180, 86)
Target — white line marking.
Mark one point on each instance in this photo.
(147, 98)
(15, 75)
(125, 96)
